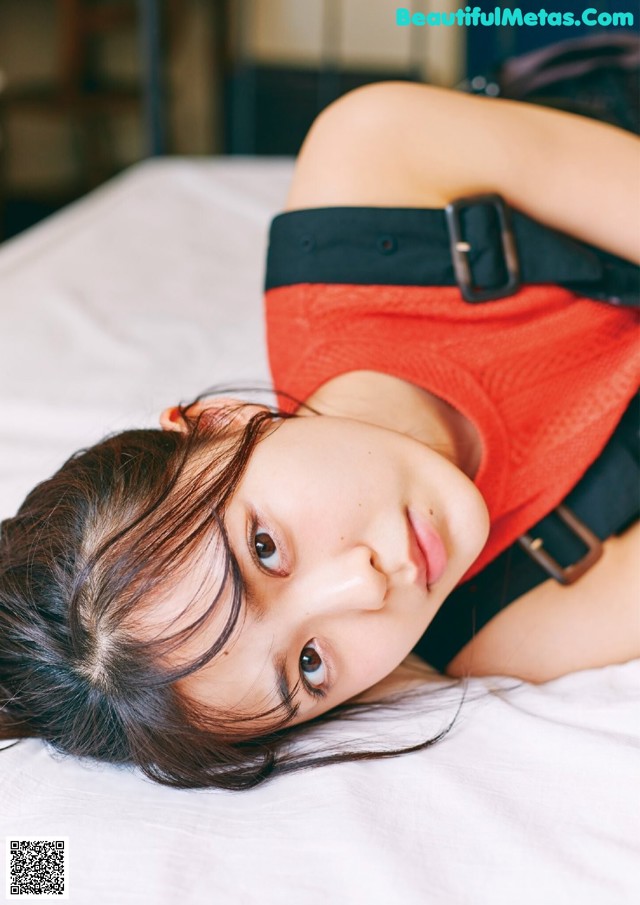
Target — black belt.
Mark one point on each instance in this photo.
(477, 243)
(562, 545)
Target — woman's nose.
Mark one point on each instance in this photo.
(349, 581)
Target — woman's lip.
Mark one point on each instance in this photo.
(417, 556)
(431, 546)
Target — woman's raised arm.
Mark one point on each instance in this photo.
(400, 144)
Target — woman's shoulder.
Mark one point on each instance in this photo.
(401, 144)
(554, 629)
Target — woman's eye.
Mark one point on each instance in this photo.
(312, 667)
(266, 551)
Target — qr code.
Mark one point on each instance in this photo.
(37, 867)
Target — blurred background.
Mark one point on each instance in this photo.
(88, 87)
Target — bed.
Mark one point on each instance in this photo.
(143, 294)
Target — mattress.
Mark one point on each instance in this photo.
(144, 294)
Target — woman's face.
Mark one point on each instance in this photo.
(332, 525)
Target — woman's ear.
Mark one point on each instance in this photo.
(171, 419)
(236, 412)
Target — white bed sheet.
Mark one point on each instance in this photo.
(143, 294)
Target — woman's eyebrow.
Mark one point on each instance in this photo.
(282, 684)
(279, 660)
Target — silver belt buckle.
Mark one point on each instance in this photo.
(565, 574)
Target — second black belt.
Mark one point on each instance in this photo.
(477, 243)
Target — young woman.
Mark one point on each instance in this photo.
(187, 600)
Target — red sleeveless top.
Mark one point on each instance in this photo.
(544, 375)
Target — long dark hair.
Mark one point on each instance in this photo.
(86, 553)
